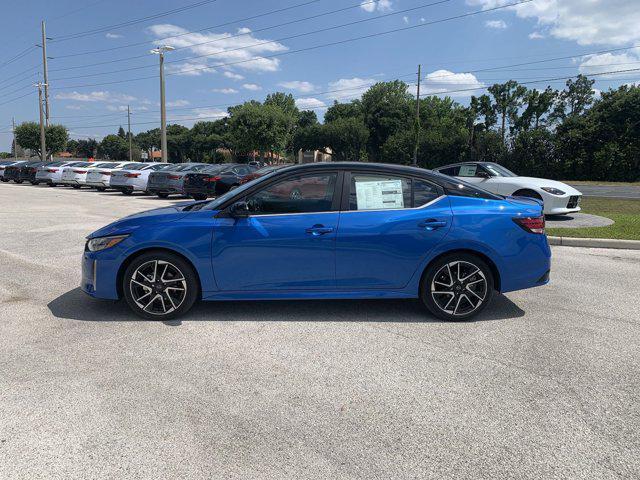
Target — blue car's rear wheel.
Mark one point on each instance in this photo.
(457, 287)
(160, 286)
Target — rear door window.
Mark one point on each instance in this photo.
(379, 192)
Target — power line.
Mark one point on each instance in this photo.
(244, 34)
(136, 44)
(289, 52)
(131, 22)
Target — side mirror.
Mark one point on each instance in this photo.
(239, 210)
(482, 174)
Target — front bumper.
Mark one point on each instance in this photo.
(562, 205)
(99, 274)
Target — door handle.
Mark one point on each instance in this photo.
(432, 224)
(318, 230)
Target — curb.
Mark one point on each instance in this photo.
(595, 243)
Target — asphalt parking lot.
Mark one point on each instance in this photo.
(546, 384)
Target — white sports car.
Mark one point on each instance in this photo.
(559, 198)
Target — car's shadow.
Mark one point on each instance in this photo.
(75, 305)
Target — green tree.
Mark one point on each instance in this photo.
(256, 127)
(507, 100)
(576, 98)
(538, 104)
(307, 118)
(178, 143)
(352, 109)
(72, 147)
(387, 109)
(122, 133)
(347, 138)
(205, 139)
(28, 136)
(87, 148)
(114, 147)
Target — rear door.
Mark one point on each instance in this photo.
(388, 225)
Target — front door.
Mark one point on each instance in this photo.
(388, 228)
(287, 242)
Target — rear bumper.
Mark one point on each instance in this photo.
(198, 190)
(97, 184)
(163, 189)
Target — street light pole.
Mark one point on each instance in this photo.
(163, 109)
(15, 144)
(43, 144)
(417, 126)
(45, 72)
(129, 132)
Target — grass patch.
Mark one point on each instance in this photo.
(625, 212)
(597, 182)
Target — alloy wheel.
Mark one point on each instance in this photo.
(158, 287)
(459, 288)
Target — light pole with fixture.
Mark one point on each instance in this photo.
(163, 111)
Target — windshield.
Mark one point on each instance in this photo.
(215, 204)
(498, 170)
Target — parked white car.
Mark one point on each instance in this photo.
(559, 198)
(76, 177)
(99, 178)
(51, 173)
(129, 180)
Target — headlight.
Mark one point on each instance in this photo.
(553, 191)
(100, 243)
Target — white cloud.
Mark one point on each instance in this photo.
(219, 48)
(212, 113)
(309, 103)
(447, 82)
(251, 86)
(98, 96)
(178, 103)
(117, 108)
(496, 24)
(611, 22)
(190, 68)
(405, 19)
(113, 35)
(300, 86)
(349, 88)
(373, 5)
(226, 91)
(536, 36)
(233, 75)
(75, 107)
(608, 62)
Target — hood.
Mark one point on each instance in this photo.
(542, 182)
(129, 224)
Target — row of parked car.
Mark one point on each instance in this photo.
(196, 180)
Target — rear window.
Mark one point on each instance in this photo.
(54, 164)
(132, 166)
(103, 165)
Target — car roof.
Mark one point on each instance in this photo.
(355, 166)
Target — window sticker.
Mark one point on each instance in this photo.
(379, 195)
(468, 171)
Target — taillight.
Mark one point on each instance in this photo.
(132, 175)
(51, 170)
(174, 177)
(104, 173)
(79, 171)
(531, 224)
(211, 179)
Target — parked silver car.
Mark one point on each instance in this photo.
(130, 180)
(164, 183)
(51, 173)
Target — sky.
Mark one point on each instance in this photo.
(227, 52)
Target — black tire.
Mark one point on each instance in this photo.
(18, 181)
(199, 196)
(163, 195)
(143, 290)
(51, 184)
(101, 189)
(35, 183)
(471, 295)
(77, 187)
(127, 191)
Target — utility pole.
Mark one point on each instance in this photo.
(163, 109)
(43, 144)
(46, 72)
(415, 147)
(129, 133)
(15, 144)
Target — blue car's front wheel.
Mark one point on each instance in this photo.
(457, 286)
(160, 286)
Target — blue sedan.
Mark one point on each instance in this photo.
(325, 231)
